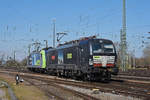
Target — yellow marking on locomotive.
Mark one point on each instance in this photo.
(96, 57)
(69, 55)
(37, 62)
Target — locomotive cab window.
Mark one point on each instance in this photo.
(108, 48)
(97, 48)
(102, 47)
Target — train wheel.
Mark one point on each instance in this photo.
(87, 77)
(108, 76)
(74, 77)
(58, 74)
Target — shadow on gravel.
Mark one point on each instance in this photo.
(116, 80)
(104, 81)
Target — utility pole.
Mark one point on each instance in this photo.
(46, 43)
(123, 39)
(54, 29)
(7, 57)
(29, 47)
(134, 59)
(14, 55)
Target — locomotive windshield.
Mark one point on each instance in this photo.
(102, 47)
(97, 47)
(108, 48)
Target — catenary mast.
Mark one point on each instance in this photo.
(123, 39)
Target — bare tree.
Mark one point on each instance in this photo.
(146, 55)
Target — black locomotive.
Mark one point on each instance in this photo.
(88, 58)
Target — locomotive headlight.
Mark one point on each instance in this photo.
(90, 62)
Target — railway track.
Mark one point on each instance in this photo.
(136, 72)
(118, 87)
(46, 91)
(53, 84)
(127, 89)
(127, 77)
(52, 90)
(122, 76)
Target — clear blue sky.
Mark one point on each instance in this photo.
(24, 20)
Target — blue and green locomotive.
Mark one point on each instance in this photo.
(88, 59)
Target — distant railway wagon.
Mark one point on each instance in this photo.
(88, 59)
